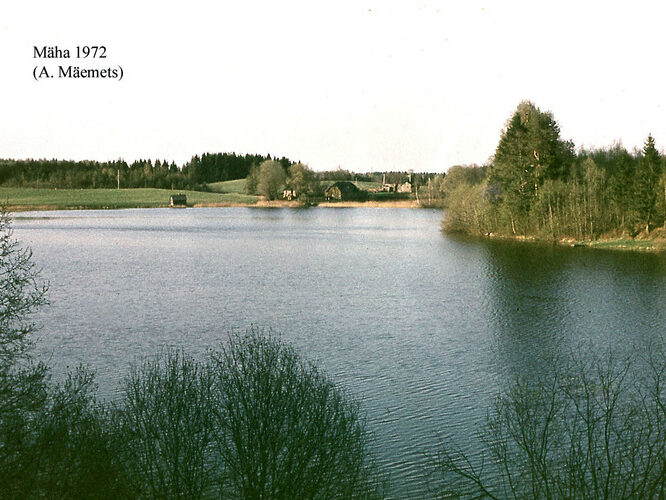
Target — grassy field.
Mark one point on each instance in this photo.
(227, 193)
(50, 199)
(235, 186)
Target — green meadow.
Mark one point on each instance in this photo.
(235, 186)
(54, 199)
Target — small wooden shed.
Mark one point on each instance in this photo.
(178, 200)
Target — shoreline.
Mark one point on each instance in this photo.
(221, 204)
(324, 204)
(652, 244)
(624, 244)
(259, 204)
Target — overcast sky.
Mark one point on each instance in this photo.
(362, 85)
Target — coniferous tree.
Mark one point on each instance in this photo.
(622, 174)
(645, 186)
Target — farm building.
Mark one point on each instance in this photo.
(405, 187)
(178, 200)
(343, 190)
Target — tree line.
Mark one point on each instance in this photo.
(537, 184)
(266, 176)
(65, 174)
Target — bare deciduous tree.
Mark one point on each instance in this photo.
(589, 430)
(284, 430)
(166, 421)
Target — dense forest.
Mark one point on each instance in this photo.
(538, 185)
(64, 174)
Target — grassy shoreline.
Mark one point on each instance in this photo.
(643, 245)
(653, 243)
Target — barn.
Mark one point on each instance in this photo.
(343, 190)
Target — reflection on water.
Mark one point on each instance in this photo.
(423, 328)
(550, 300)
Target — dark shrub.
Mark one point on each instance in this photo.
(283, 429)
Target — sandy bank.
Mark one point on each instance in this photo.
(373, 204)
(259, 204)
(326, 204)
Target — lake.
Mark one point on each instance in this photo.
(422, 328)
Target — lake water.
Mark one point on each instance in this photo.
(421, 327)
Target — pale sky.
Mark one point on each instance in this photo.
(365, 85)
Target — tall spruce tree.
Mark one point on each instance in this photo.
(621, 167)
(530, 150)
(646, 184)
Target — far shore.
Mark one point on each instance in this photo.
(325, 204)
(36, 199)
(258, 204)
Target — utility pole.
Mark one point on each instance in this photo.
(118, 178)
